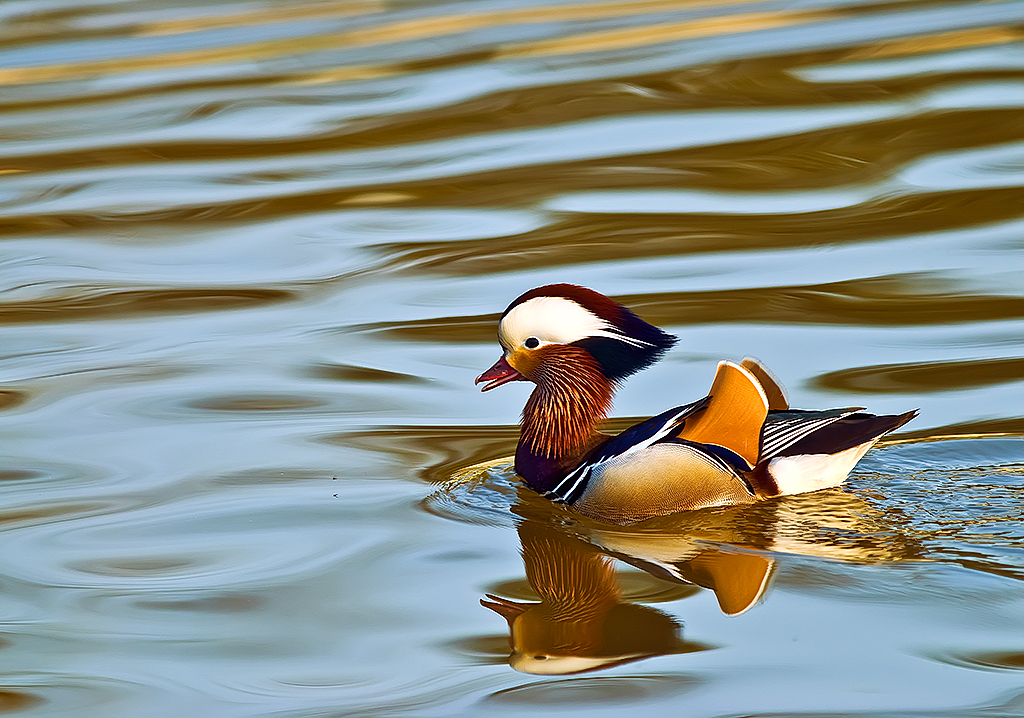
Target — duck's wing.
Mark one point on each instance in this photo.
(782, 429)
(852, 428)
(730, 418)
(810, 450)
(635, 438)
(736, 410)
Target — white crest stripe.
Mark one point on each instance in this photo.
(556, 320)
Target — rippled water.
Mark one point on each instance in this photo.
(252, 257)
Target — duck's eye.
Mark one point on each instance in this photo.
(532, 343)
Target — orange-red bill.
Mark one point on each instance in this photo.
(501, 373)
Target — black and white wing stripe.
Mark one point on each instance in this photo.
(633, 439)
(789, 427)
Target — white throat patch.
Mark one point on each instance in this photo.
(555, 320)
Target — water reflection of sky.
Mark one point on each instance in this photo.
(253, 257)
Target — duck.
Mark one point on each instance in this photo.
(740, 444)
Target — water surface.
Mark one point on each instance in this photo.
(252, 256)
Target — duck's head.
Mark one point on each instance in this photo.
(552, 328)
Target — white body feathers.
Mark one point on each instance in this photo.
(810, 472)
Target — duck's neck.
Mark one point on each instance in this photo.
(560, 417)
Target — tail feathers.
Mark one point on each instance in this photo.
(825, 457)
(848, 432)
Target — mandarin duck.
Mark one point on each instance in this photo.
(738, 445)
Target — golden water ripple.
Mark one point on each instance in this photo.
(91, 303)
(611, 237)
(924, 376)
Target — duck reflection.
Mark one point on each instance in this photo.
(583, 621)
(728, 549)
